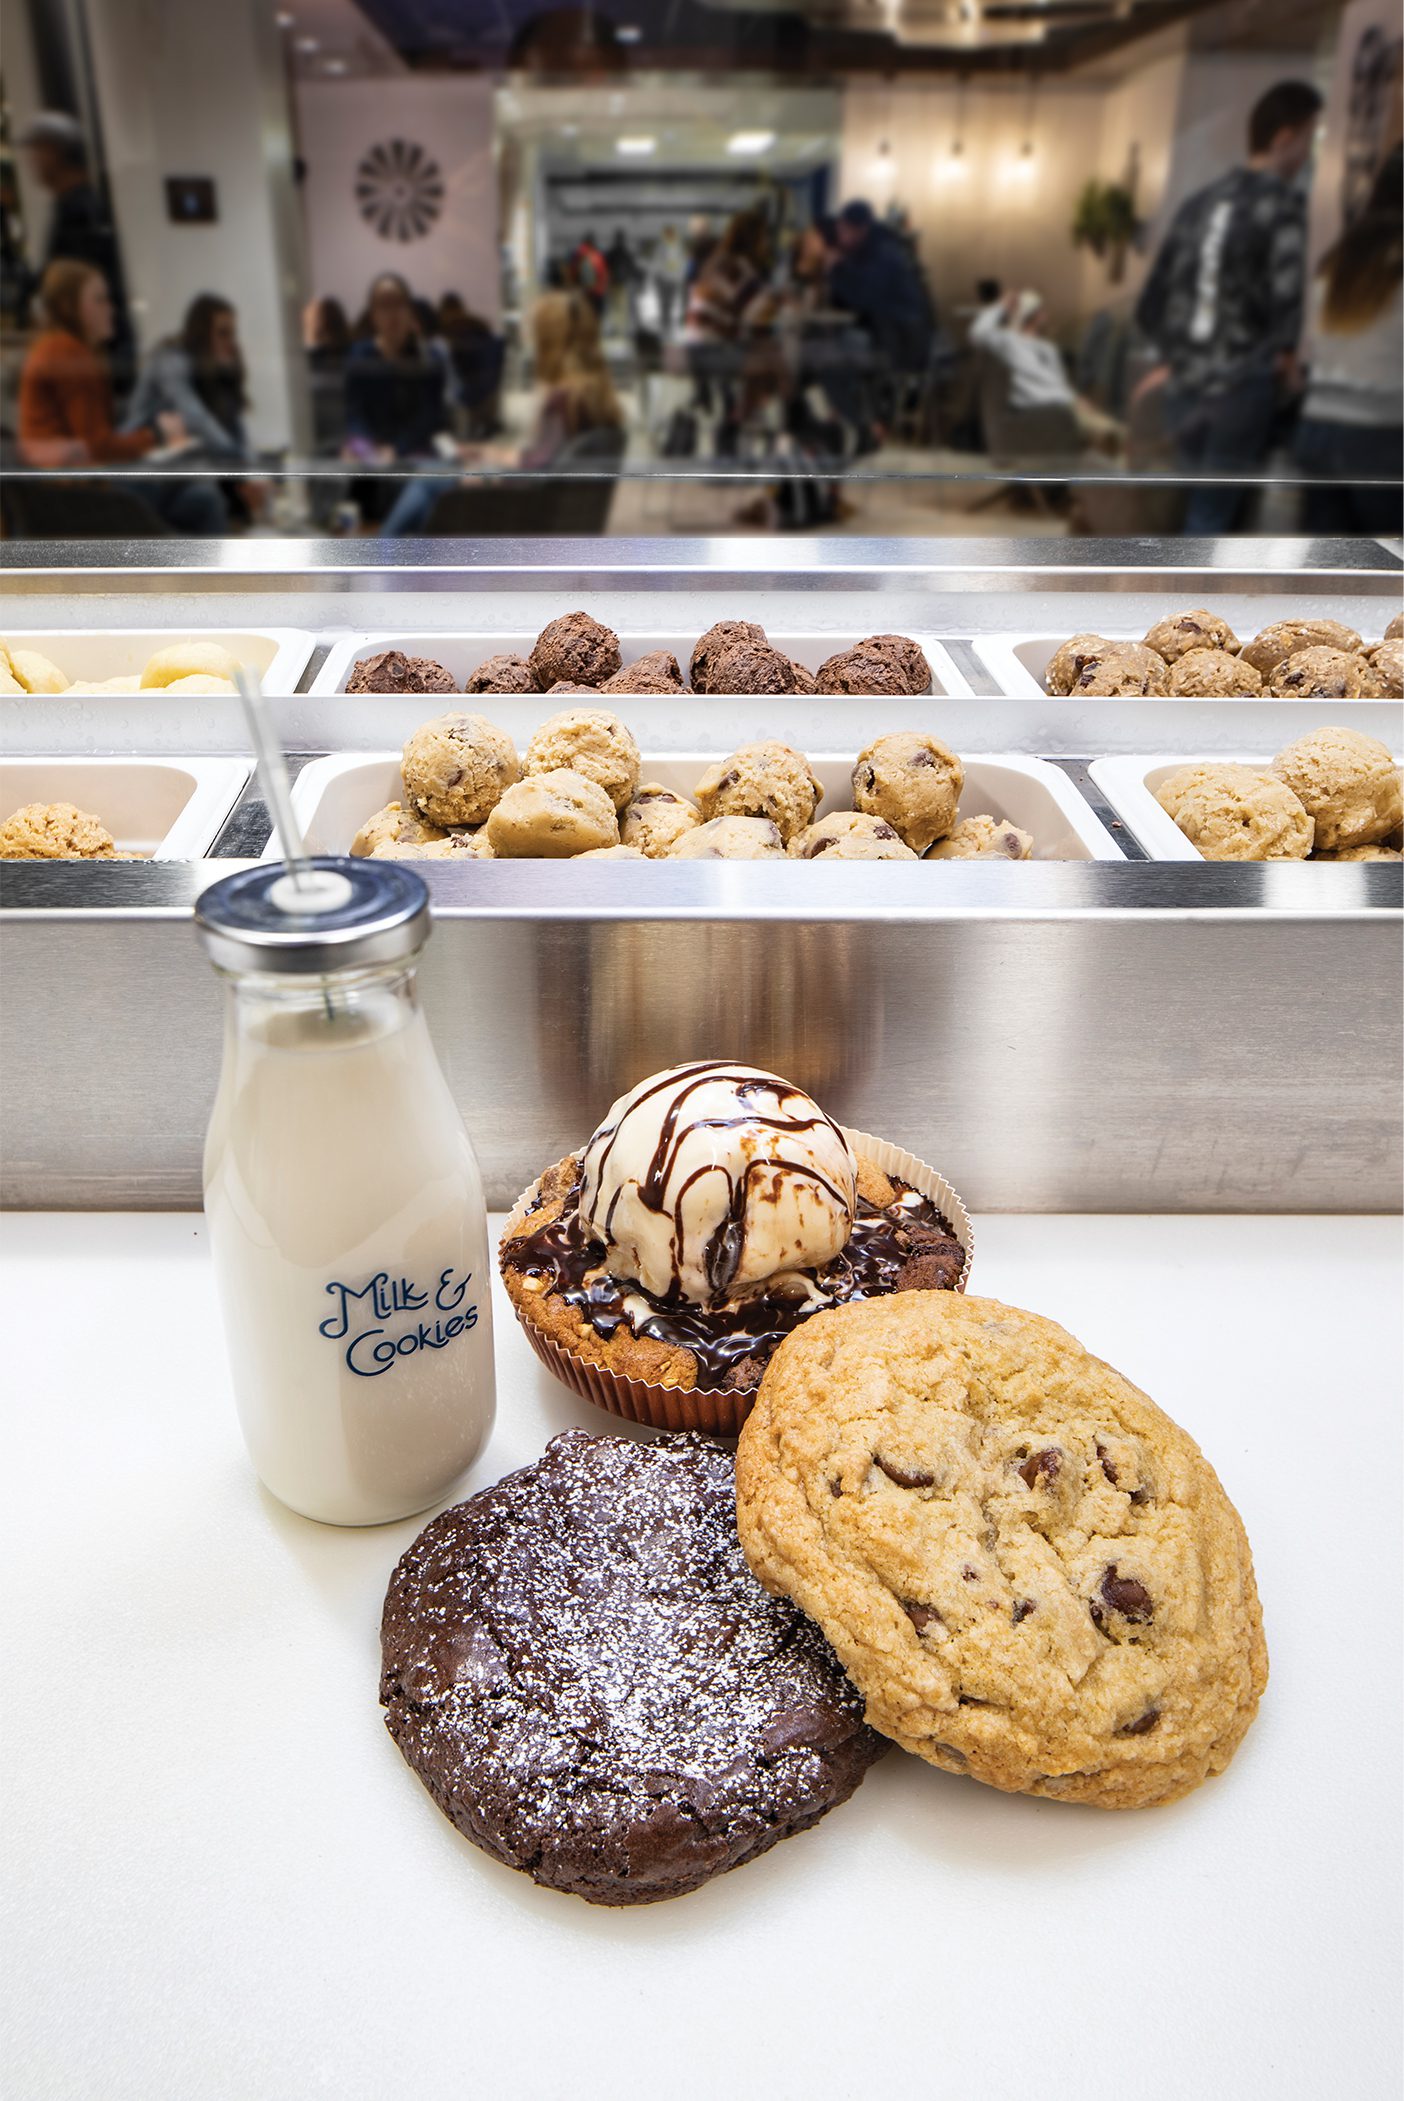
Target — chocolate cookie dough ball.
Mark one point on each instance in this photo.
(731, 839)
(849, 835)
(913, 782)
(571, 685)
(592, 742)
(1325, 674)
(1213, 674)
(55, 831)
(391, 671)
(1283, 638)
(612, 853)
(1071, 658)
(656, 819)
(394, 826)
(576, 647)
(724, 634)
(1129, 669)
(1348, 782)
(1235, 813)
(1395, 631)
(456, 767)
(449, 846)
(658, 672)
(1360, 853)
(550, 816)
(1181, 633)
(878, 664)
(752, 667)
(1386, 660)
(504, 674)
(805, 681)
(769, 779)
(984, 839)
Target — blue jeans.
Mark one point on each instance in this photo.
(1343, 459)
(187, 506)
(413, 507)
(1228, 433)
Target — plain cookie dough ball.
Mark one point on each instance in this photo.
(658, 672)
(656, 819)
(130, 682)
(8, 682)
(456, 768)
(1235, 813)
(501, 674)
(448, 846)
(33, 672)
(55, 831)
(1283, 638)
(731, 839)
(1325, 674)
(612, 853)
(1130, 668)
(984, 839)
(574, 647)
(722, 635)
(849, 835)
(1348, 782)
(1071, 658)
(189, 660)
(592, 742)
(1386, 660)
(550, 816)
(880, 664)
(913, 782)
(200, 682)
(1181, 633)
(769, 779)
(393, 826)
(1361, 853)
(1213, 674)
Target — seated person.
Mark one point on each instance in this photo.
(1014, 331)
(198, 375)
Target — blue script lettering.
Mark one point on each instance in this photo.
(371, 1350)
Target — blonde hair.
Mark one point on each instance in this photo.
(61, 290)
(565, 341)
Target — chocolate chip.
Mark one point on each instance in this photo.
(1041, 1469)
(1107, 1468)
(968, 1699)
(836, 1488)
(950, 1751)
(1021, 1609)
(451, 780)
(921, 1616)
(728, 780)
(1012, 847)
(1142, 1725)
(883, 831)
(971, 1575)
(1125, 1595)
(867, 779)
(819, 846)
(1140, 1495)
(904, 1476)
(923, 758)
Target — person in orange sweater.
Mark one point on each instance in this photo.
(65, 402)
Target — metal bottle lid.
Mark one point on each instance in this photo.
(377, 912)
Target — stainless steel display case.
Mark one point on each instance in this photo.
(1074, 1036)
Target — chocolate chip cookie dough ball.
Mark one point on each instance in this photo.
(592, 742)
(394, 826)
(849, 835)
(1181, 633)
(456, 767)
(577, 647)
(1386, 660)
(1395, 631)
(658, 672)
(722, 635)
(731, 839)
(1361, 853)
(984, 839)
(1071, 658)
(1213, 674)
(1235, 813)
(1283, 638)
(1348, 782)
(612, 853)
(769, 779)
(503, 674)
(449, 846)
(551, 816)
(55, 831)
(752, 667)
(656, 819)
(913, 782)
(878, 664)
(391, 671)
(1131, 668)
(1325, 674)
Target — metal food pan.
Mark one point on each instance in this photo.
(1130, 784)
(164, 809)
(278, 654)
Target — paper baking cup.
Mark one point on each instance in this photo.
(722, 1414)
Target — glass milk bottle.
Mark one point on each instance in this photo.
(344, 1201)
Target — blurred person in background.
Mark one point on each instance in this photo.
(874, 277)
(80, 226)
(476, 353)
(726, 286)
(396, 394)
(669, 266)
(589, 272)
(1352, 424)
(1014, 329)
(1223, 306)
(326, 335)
(199, 376)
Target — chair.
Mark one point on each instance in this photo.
(572, 502)
(65, 508)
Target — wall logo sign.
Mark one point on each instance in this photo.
(399, 190)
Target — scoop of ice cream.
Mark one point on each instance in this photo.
(708, 1181)
(54, 831)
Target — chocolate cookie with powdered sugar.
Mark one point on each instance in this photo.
(595, 1689)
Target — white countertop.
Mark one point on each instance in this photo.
(223, 1881)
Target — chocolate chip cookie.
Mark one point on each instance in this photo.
(1031, 1573)
(586, 1676)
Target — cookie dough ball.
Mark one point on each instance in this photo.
(1325, 674)
(592, 742)
(199, 682)
(1213, 674)
(769, 779)
(1361, 853)
(1283, 638)
(1348, 782)
(849, 835)
(1182, 633)
(576, 647)
(658, 672)
(130, 682)
(1235, 813)
(1395, 631)
(550, 816)
(501, 674)
(612, 853)
(913, 782)
(393, 826)
(448, 846)
(731, 839)
(456, 768)
(1069, 661)
(33, 672)
(189, 660)
(656, 819)
(571, 685)
(985, 839)
(723, 635)
(1386, 660)
(752, 667)
(391, 671)
(1130, 668)
(878, 664)
(55, 831)
(8, 682)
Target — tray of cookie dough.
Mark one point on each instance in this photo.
(1196, 655)
(146, 659)
(574, 650)
(108, 809)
